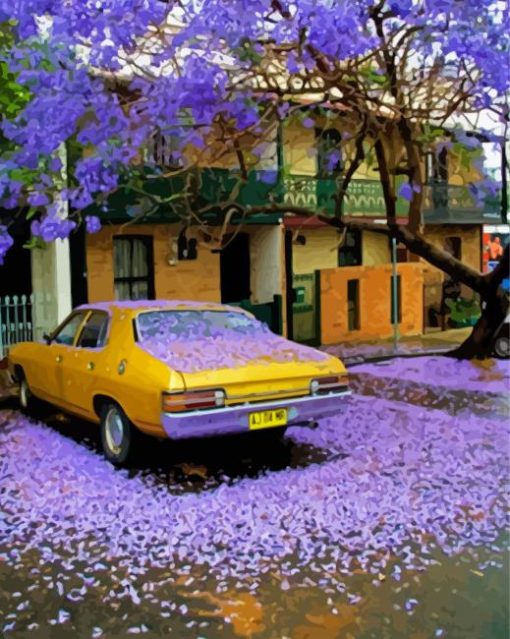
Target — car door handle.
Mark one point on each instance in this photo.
(91, 366)
(58, 359)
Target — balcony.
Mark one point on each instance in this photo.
(452, 204)
(443, 204)
(364, 197)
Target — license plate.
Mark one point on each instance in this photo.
(268, 418)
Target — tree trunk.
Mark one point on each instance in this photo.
(480, 344)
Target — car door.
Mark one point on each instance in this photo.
(83, 363)
(48, 373)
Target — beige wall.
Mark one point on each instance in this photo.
(189, 279)
(300, 150)
(320, 250)
(299, 153)
(265, 262)
(375, 249)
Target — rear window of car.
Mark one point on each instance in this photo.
(186, 325)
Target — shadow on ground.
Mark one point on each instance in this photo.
(197, 464)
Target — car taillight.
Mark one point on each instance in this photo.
(194, 400)
(333, 384)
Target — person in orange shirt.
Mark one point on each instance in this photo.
(495, 249)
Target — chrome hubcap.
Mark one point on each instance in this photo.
(114, 431)
(503, 347)
(23, 394)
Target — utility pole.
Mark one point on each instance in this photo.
(394, 292)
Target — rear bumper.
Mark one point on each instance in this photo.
(234, 419)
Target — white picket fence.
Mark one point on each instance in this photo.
(16, 323)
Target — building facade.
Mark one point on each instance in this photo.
(292, 272)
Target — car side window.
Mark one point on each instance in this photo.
(67, 333)
(94, 332)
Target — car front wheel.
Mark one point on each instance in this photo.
(118, 435)
(29, 404)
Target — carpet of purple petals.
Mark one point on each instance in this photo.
(400, 482)
(487, 375)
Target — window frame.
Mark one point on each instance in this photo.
(52, 336)
(106, 330)
(148, 240)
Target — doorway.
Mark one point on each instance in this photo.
(235, 268)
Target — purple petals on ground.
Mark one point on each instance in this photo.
(398, 481)
(491, 376)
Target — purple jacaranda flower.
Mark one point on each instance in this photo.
(38, 199)
(406, 191)
(52, 227)
(92, 223)
(6, 242)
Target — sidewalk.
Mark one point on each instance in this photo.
(437, 342)
(359, 352)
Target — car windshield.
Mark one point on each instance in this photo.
(172, 325)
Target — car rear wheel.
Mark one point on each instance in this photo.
(118, 435)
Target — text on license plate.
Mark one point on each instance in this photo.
(268, 418)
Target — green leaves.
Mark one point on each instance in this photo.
(246, 52)
(35, 242)
(374, 77)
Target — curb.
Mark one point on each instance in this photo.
(357, 360)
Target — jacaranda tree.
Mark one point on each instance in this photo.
(103, 76)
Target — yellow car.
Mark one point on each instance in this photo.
(178, 370)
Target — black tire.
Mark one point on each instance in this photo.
(119, 437)
(29, 404)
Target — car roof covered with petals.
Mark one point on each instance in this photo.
(146, 305)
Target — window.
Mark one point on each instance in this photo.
(402, 253)
(66, 333)
(133, 265)
(353, 305)
(164, 151)
(93, 334)
(164, 327)
(399, 301)
(453, 245)
(437, 167)
(349, 254)
(329, 153)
